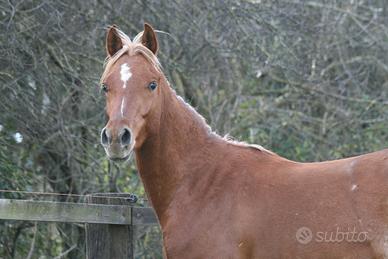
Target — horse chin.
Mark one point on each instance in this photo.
(120, 157)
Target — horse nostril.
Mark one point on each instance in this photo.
(105, 138)
(126, 137)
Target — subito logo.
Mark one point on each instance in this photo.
(304, 235)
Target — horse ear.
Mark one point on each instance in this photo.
(113, 41)
(149, 39)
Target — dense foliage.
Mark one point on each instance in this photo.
(306, 79)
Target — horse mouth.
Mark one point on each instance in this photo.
(120, 159)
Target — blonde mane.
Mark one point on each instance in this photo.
(131, 47)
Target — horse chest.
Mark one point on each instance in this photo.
(211, 233)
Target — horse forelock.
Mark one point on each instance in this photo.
(130, 47)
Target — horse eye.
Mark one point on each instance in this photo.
(152, 85)
(104, 88)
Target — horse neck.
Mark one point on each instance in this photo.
(164, 159)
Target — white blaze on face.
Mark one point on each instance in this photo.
(125, 74)
(122, 107)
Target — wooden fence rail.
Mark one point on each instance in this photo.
(109, 220)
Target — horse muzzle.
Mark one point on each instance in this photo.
(118, 147)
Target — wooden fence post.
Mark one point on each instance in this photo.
(105, 241)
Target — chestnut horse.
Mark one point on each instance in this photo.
(217, 198)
